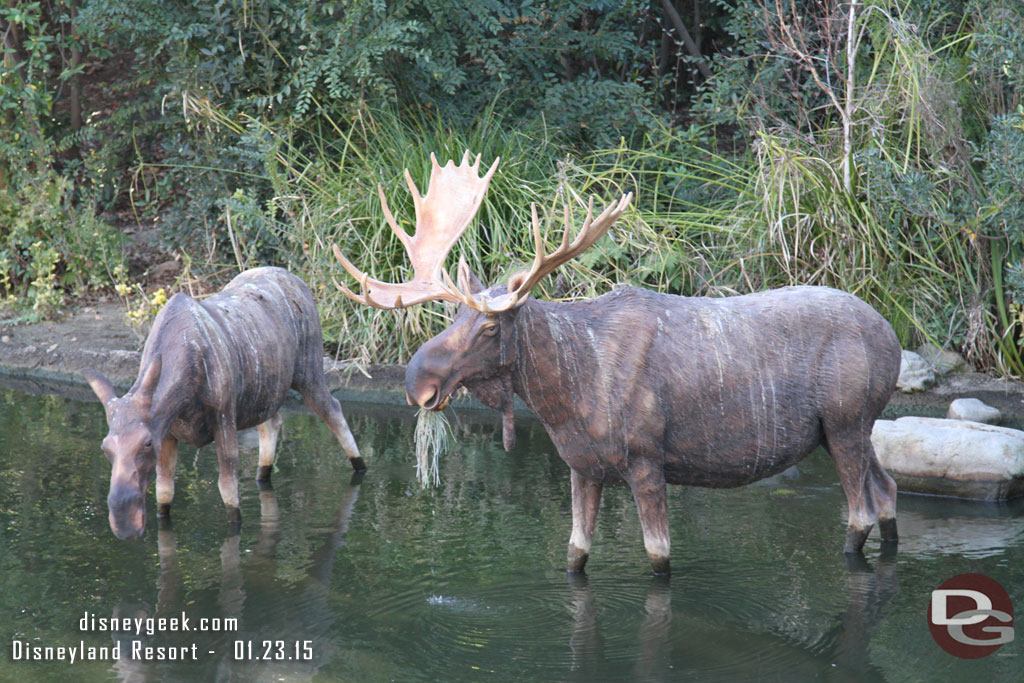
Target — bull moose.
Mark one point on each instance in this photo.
(646, 388)
(210, 368)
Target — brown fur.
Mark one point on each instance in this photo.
(648, 389)
(208, 369)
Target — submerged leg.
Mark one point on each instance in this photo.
(870, 491)
(586, 498)
(226, 438)
(648, 484)
(320, 401)
(165, 465)
(269, 431)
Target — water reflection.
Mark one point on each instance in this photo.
(932, 526)
(673, 643)
(465, 582)
(294, 644)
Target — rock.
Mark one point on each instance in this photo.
(951, 457)
(5, 339)
(974, 410)
(166, 271)
(916, 374)
(942, 361)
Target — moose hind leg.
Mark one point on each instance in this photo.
(319, 400)
(870, 491)
(649, 491)
(269, 431)
(226, 439)
(586, 498)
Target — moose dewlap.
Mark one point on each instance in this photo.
(649, 389)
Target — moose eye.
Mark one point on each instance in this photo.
(489, 329)
(149, 444)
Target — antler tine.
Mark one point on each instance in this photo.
(521, 283)
(538, 240)
(364, 298)
(417, 199)
(402, 235)
(461, 297)
(346, 264)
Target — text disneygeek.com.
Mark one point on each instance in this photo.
(127, 642)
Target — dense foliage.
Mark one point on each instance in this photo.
(874, 146)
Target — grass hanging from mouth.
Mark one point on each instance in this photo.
(431, 440)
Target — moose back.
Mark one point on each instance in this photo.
(649, 389)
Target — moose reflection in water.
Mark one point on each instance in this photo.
(304, 620)
(209, 369)
(643, 388)
(670, 635)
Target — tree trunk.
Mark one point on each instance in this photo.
(76, 80)
(691, 47)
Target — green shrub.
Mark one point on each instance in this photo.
(49, 247)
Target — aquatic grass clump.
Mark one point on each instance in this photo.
(431, 439)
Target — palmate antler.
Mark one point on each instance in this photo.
(453, 197)
(454, 194)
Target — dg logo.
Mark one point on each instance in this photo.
(970, 616)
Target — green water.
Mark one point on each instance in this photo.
(378, 580)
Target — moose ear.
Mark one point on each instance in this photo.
(150, 378)
(100, 386)
(517, 279)
(468, 281)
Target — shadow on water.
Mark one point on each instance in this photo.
(248, 594)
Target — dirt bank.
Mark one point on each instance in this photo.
(47, 357)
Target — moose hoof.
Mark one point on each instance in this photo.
(234, 515)
(264, 472)
(855, 540)
(577, 559)
(163, 510)
(887, 527)
(357, 464)
(660, 565)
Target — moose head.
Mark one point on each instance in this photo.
(132, 446)
(477, 350)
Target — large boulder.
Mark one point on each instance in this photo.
(916, 373)
(951, 457)
(974, 410)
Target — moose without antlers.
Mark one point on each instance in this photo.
(645, 388)
(208, 369)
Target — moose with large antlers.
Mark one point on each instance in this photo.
(645, 388)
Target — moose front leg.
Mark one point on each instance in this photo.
(586, 498)
(648, 484)
(227, 453)
(269, 431)
(165, 465)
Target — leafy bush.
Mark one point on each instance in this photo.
(49, 247)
